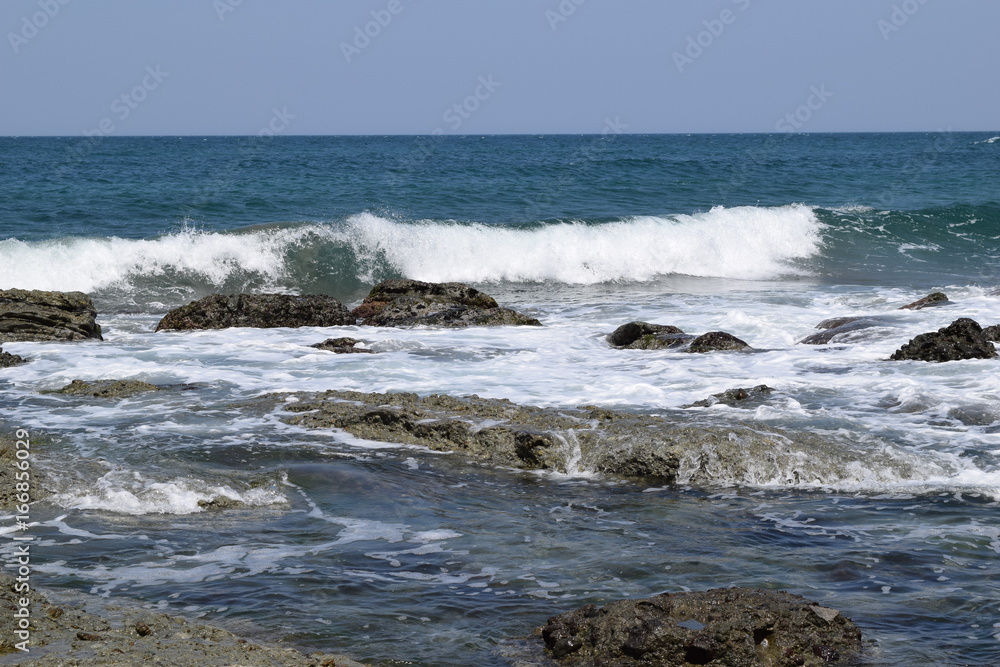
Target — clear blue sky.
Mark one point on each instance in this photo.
(129, 67)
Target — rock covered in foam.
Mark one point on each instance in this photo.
(221, 311)
(343, 345)
(962, 339)
(405, 303)
(34, 315)
(724, 626)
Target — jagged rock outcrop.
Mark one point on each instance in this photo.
(8, 360)
(34, 315)
(647, 336)
(221, 311)
(406, 303)
(343, 346)
(962, 339)
(107, 388)
(717, 341)
(738, 397)
(723, 627)
(932, 299)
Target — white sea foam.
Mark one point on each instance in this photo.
(742, 242)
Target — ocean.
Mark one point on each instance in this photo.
(401, 556)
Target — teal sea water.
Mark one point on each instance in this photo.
(400, 556)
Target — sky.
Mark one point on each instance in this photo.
(248, 67)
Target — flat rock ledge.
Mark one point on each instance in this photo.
(8, 360)
(585, 439)
(724, 627)
(407, 303)
(261, 311)
(34, 315)
(962, 339)
(107, 388)
(66, 633)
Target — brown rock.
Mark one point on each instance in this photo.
(34, 315)
(932, 299)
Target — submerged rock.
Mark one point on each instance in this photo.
(738, 397)
(646, 336)
(962, 339)
(840, 329)
(221, 311)
(7, 359)
(65, 630)
(728, 627)
(405, 303)
(342, 346)
(932, 299)
(34, 315)
(107, 388)
(591, 439)
(715, 341)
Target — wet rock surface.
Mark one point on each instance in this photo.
(647, 336)
(34, 315)
(962, 339)
(739, 397)
(732, 627)
(9, 468)
(343, 346)
(66, 631)
(262, 311)
(932, 299)
(845, 329)
(107, 388)
(406, 303)
(8, 360)
(588, 438)
(992, 333)
(717, 341)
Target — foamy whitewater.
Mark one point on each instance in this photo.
(198, 500)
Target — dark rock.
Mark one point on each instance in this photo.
(33, 315)
(404, 303)
(738, 397)
(107, 388)
(932, 299)
(840, 328)
(221, 311)
(646, 336)
(962, 339)
(342, 346)
(727, 627)
(992, 333)
(7, 359)
(717, 341)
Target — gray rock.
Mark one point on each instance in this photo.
(33, 315)
(992, 333)
(841, 328)
(646, 336)
(221, 311)
(715, 341)
(7, 359)
(962, 339)
(406, 303)
(932, 299)
(738, 397)
(342, 346)
(107, 388)
(727, 627)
